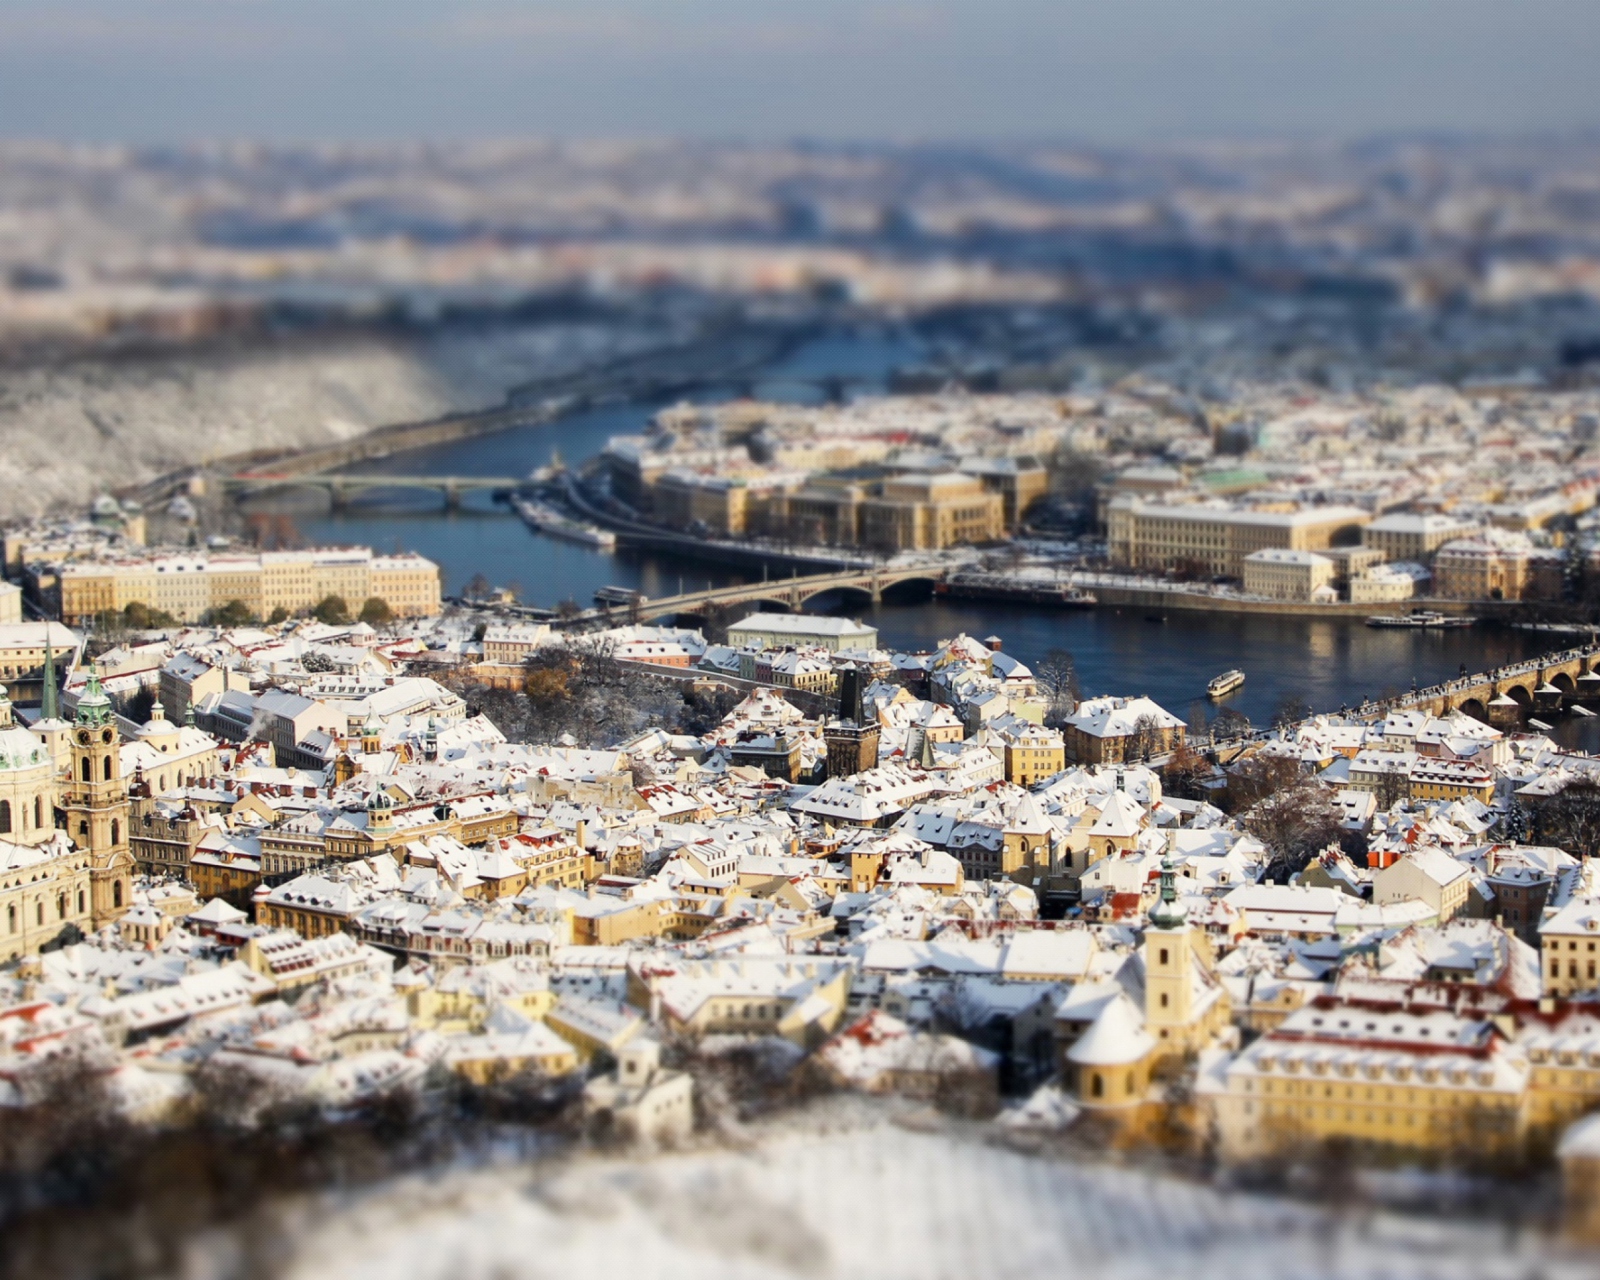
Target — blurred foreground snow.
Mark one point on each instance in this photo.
(847, 1195)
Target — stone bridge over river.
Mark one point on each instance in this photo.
(1550, 682)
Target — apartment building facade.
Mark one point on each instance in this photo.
(1154, 537)
(186, 586)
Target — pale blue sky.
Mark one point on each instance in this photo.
(148, 70)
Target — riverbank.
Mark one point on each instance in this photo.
(721, 352)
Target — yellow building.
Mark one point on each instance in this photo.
(1385, 1075)
(45, 882)
(95, 797)
(1497, 566)
(1449, 780)
(931, 512)
(1413, 536)
(1033, 754)
(1216, 540)
(1279, 573)
(1111, 1064)
(1569, 949)
(186, 586)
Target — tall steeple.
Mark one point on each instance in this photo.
(49, 710)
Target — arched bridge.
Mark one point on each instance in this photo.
(342, 488)
(1546, 683)
(788, 593)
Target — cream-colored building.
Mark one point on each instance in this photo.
(22, 654)
(1415, 536)
(1217, 539)
(510, 643)
(1427, 875)
(1281, 574)
(903, 513)
(1420, 1079)
(44, 881)
(186, 586)
(1569, 949)
(56, 884)
(931, 512)
(1495, 565)
(1382, 585)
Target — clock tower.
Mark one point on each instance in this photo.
(96, 801)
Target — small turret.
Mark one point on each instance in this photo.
(1168, 912)
(94, 708)
(371, 735)
(380, 813)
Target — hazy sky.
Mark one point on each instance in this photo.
(150, 70)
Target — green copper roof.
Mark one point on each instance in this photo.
(49, 710)
(1168, 912)
(94, 708)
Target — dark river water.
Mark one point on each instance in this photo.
(1328, 662)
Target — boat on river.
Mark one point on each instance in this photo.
(547, 520)
(1419, 618)
(1221, 686)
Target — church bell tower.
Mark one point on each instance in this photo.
(96, 801)
(1169, 965)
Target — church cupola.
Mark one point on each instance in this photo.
(94, 707)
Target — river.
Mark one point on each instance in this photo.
(1327, 662)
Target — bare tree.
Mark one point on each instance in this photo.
(1258, 776)
(1186, 774)
(1147, 739)
(1570, 819)
(1295, 824)
(1290, 711)
(1230, 724)
(1057, 677)
(1391, 788)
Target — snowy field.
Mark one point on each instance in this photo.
(73, 429)
(863, 1197)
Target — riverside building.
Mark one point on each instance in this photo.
(1217, 539)
(187, 585)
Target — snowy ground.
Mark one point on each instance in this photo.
(68, 431)
(861, 1196)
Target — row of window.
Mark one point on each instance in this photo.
(13, 916)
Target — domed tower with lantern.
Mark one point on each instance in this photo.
(96, 801)
(1186, 1007)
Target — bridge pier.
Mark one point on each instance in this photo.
(338, 497)
(452, 497)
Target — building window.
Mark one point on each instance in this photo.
(108, 769)
(85, 769)
(116, 893)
